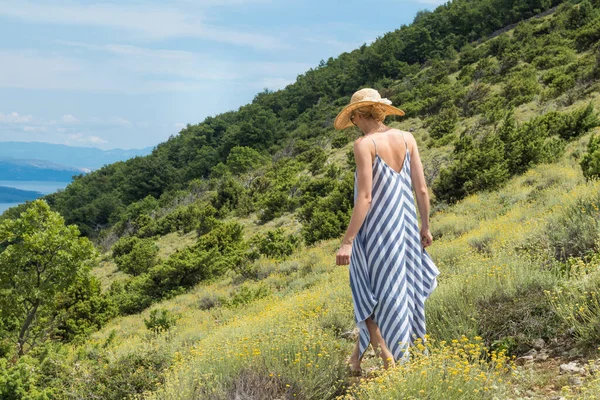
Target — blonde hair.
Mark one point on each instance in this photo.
(373, 111)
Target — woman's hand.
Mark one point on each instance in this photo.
(426, 237)
(343, 255)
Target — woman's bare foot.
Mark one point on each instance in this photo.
(354, 365)
(388, 361)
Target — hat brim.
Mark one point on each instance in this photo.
(342, 121)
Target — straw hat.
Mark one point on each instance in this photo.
(362, 98)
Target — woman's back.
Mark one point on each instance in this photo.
(391, 147)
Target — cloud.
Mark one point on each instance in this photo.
(119, 121)
(179, 125)
(271, 83)
(135, 69)
(79, 138)
(69, 119)
(15, 118)
(432, 2)
(30, 69)
(147, 21)
(29, 128)
(183, 64)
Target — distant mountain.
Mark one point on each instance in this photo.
(36, 170)
(12, 195)
(89, 158)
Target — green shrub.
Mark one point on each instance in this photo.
(137, 215)
(508, 61)
(129, 375)
(472, 101)
(588, 35)
(160, 320)
(579, 15)
(274, 192)
(245, 295)
(83, 308)
(577, 303)
(134, 255)
(214, 253)
(443, 123)
(229, 193)
(275, 244)
(559, 80)
(554, 56)
(242, 159)
(576, 230)
(590, 163)
(578, 122)
(486, 69)
(21, 381)
(477, 166)
(528, 144)
(200, 216)
(515, 320)
(340, 140)
(134, 294)
(327, 217)
(521, 86)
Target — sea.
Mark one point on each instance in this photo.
(44, 187)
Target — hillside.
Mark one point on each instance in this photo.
(217, 278)
(12, 169)
(12, 195)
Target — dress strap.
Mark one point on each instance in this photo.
(374, 145)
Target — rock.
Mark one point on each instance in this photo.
(594, 368)
(573, 355)
(532, 352)
(575, 381)
(557, 398)
(523, 359)
(351, 335)
(571, 368)
(538, 343)
(542, 356)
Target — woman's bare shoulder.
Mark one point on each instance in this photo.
(362, 145)
(407, 135)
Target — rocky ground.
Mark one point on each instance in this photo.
(549, 370)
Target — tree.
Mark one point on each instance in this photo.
(39, 258)
(242, 159)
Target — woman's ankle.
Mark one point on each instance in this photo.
(389, 362)
(354, 362)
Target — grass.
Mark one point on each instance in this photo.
(289, 340)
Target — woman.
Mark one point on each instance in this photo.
(391, 273)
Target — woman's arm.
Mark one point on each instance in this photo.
(364, 171)
(420, 186)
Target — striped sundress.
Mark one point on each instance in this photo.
(391, 273)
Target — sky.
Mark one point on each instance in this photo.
(129, 74)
